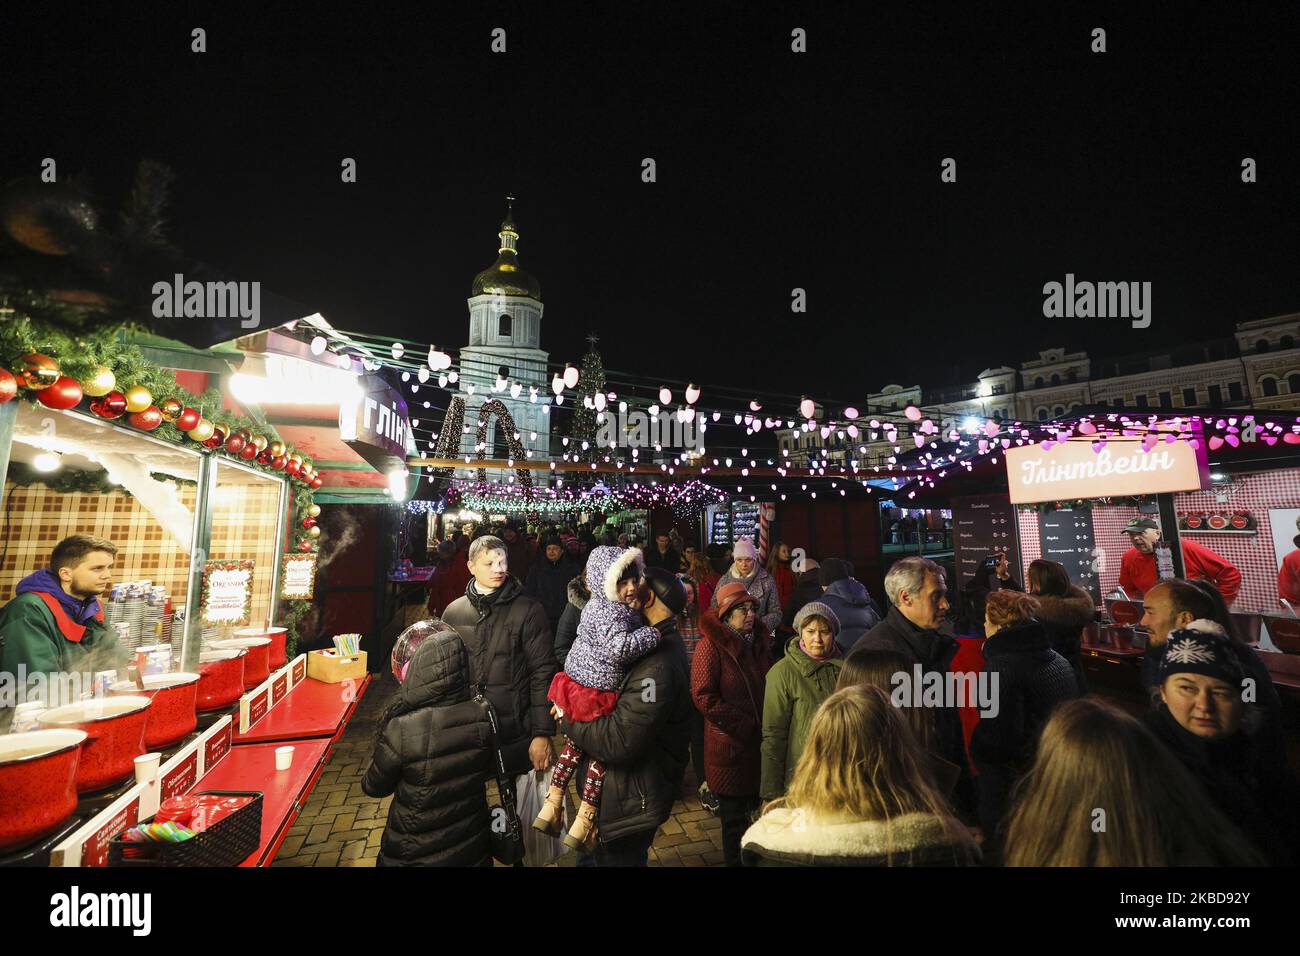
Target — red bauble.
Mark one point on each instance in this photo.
(278, 462)
(188, 419)
(249, 452)
(304, 546)
(309, 522)
(8, 386)
(147, 420)
(218, 438)
(65, 393)
(265, 458)
(316, 482)
(291, 468)
(112, 405)
(235, 444)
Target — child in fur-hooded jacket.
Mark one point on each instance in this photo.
(612, 635)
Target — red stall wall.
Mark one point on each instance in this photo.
(351, 575)
(835, 529)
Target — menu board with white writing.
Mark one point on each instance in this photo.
(298, 577)
(982, 526)
(227, 593)
(1067, 538)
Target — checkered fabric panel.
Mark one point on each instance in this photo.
(39, 518)
(243, 526)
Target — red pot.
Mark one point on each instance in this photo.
(221, 678)
(38, 784)
(174, 712)
(115, 728)
(257, 665)
(278, 635)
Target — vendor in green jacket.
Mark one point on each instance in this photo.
(796, 686)
(55, 624)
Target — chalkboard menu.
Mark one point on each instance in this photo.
(1067, 538)
(983, 525)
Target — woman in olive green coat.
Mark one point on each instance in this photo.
(796, 686)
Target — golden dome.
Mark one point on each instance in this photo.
(504, 277)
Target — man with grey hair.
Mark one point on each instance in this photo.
(511, 654)
(915, 628)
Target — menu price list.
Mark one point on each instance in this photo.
(983, 526)
(1067, 538)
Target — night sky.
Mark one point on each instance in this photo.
(775, 170)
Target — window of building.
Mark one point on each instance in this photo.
(1073, 375)
(1234, 391)
(1166, 400)
(1268, 385)
(1042, 414)
(1216, 396)
(1038, 382)
(1058, 411)
(1056, 379)
(503, 325)
(1293, 383)
(1143, 402)
(1261, 345)
(1286, 342)
(1189, 397)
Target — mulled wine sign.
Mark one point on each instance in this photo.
(227, 593)
(298, 577)
(1084, 468)
(1067, 538)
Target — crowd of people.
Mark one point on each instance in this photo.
(798, 701)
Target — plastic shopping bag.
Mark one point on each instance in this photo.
(539, 848)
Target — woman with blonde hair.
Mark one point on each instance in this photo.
(1103, 791)
(862, 794)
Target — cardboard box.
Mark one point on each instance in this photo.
(328, 667)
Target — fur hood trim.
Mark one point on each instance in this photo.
(847, 842)
(1075, 610)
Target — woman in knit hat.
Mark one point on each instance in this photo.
(1204, 713)
(746, 571)
(796, 686)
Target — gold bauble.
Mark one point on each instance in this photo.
(202, 431)
(314, 531)
(313, 511)
(36, 371)
(296, 459)
(101, 383)
(276, 449)
(138, 398)
(260, 443)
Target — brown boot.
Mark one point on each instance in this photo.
(548, 820)
(582, 835)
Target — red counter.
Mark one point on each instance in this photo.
(311, 710)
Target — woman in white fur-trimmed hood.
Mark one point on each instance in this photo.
(862, 795)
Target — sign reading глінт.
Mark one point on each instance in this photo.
(1073, 469)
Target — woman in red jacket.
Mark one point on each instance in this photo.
(778, 565)
(728, 674)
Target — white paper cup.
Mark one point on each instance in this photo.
(283, 758)
(146, 767)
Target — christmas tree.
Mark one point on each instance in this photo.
(592, 383)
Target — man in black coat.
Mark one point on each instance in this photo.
(548, 581)
(644, 741)
(663, 554)
(916, 629)
(511, 654)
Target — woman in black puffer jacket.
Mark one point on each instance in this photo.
(433, 751)
(1064, 610)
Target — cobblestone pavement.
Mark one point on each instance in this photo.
(341, 826)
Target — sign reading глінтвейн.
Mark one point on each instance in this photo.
(1073, 469)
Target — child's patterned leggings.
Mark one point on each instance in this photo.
(568, 762)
